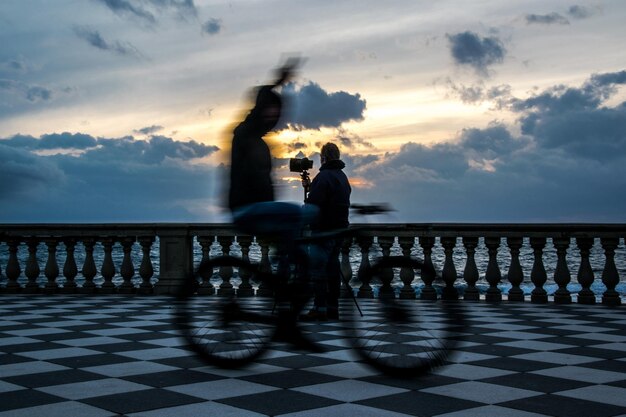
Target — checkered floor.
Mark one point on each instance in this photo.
(105, 356)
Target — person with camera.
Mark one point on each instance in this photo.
(329, 191)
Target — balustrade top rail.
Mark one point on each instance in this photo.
(176, 251)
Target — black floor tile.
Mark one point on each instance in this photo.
(91, 360)
(419, 403)
(418, 383)
(30, 347)
(26, 398)
(46, 379)
(607, 365)
(291, 379)
(554, 405)
(121, 347)
(185, 362)
(497, 350)
(172, 378)
(279, 402)
(514, 364)
(137, 401)
(299, 361)
(536, 382)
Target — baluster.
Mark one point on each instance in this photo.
(387, 274)
(226, 272)
(89, 267)
(108, 268)
(265, 267)
(13, 270)
(493, 274)
(346, 269)
(32, 267)
(127, 269)
(610, 276)
(365, 290)
(206, 288)
(470, 273)
(69, 268)
(538, 274)
(245, 288)
(585, 272)
(516, 275)
(407, 275)
(428, 272)
(146, 271)
(561, 273)
(449, 274)
(52, 268)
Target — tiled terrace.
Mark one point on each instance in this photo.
(72, 355)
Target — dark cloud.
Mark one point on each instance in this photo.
(567, 165)
(352, 140)
(547, 19)
(579, 12)
(296, 146)
(95, 39)
(32, 93)
(13, 65)
(212, 26)
(468, 48)
(478, 93)
(311, 107)
(147, 11)
(149, 130)
(111, 180)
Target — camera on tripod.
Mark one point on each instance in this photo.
(302, 165)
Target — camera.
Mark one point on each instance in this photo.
(300, 164)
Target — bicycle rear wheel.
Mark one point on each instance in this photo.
(403, 337)
(225, 331)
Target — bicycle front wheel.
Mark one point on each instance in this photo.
(403, 337)
(225, 331)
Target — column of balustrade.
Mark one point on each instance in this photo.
(89, 267)
(127, 269)
(265, 267)
(449, 274)
(562, 275)
(585, 272)
(470, 273)
(206, 288)
(493, 274)
(610, 276)
(226, 272)
(108, 268)
(407, 275)
(13, 269)
(516, 275)
(365, 290)
(245, 288)
(52, 268)
(387, 274)
(69, 267)
(428, 273)
(146, 270)
(346, 269)
(538, 274)
(32, 270)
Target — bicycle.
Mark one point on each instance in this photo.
(397, 337)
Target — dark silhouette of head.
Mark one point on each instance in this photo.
(329, 152)
(267, 109)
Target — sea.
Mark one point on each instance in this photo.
(597, 261)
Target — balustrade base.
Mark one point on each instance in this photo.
(586, 297)
(516, 294)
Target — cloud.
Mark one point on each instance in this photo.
(468, 48)
(95, 39)
(352, 140)
(148, 130)
(212, 26)
(579, 12)
(296, 146)
(32, 93)
(147, 11)
(111, 180)
(14, 65)
(567, 164)
(546, 19)
(499, 95)
(311, 107)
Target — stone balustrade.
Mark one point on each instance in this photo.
(128, 261)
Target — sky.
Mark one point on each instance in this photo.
(450, 111)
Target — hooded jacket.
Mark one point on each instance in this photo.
(330, 191)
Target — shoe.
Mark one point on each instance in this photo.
(314, 315)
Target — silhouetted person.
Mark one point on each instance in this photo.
(330, 191)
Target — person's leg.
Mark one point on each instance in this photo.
(319, 255)
(333, 271)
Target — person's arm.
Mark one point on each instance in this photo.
(318, 191)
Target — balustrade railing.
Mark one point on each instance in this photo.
(518, 262)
